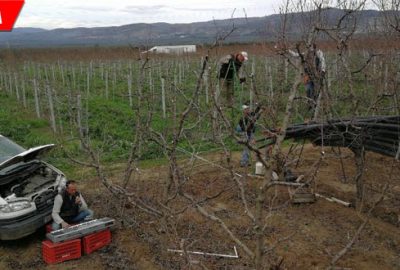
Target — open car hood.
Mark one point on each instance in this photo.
(27, 155)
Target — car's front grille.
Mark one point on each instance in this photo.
(44, 202)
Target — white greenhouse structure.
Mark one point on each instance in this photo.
(178, 49)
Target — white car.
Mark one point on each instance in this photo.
(28, 186)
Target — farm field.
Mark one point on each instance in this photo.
(317, 231)
(147, 140)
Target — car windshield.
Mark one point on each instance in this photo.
(8, 149)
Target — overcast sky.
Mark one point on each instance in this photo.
(50, 14)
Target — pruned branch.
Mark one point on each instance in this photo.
(350, 244)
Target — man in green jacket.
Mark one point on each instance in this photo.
(229, 67)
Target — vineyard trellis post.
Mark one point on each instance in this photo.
(51, 108)
(106, 84)
(164, 109)
(36, 95)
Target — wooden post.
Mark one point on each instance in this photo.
(385, 78)
(79, 115)
(51, 108)
(185, 63)
(329, 81)
(163, 98)
(271, 87)
(1, 79)
(91, 69)
(53, 74)
(286, 71)
(71, 104)
(16, 86)
(10, 86)
(46, 76)
(23, 93)
(206, 83)
(151, 87)
(114, 81)
(39, 73)
(73, 77)
(180, 73)
(81, 67)
(336, 67)
(88, 82)
(106, 78)
(130, 89)
(62, 74)
(36, 93)
(253, 72)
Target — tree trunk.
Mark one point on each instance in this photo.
(359, 156)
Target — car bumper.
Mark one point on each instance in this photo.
(25, 227)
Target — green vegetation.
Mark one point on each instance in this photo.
(95, 96)
(20, 125)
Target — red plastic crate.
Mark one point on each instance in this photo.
(95, 241)
(60, 252)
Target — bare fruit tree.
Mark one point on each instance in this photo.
(391, 15)
(172, 114)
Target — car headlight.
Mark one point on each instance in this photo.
(61, 183)
(15, 206)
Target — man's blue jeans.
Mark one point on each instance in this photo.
(78, 219)
(310, 90)
(245, 159)
(311, 95)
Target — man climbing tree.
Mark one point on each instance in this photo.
(313, 61)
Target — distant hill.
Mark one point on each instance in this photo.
(141, 34)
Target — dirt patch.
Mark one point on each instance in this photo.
(315, 232)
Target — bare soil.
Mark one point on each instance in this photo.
(315, 231)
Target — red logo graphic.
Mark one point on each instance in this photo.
(9, 11)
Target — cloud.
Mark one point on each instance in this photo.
(200, 9)
(174, 13)
(168, 8)
(93, 13)
(45, 23)
(144, 9)
(90, 8)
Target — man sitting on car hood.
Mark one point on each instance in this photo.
(69, 207)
